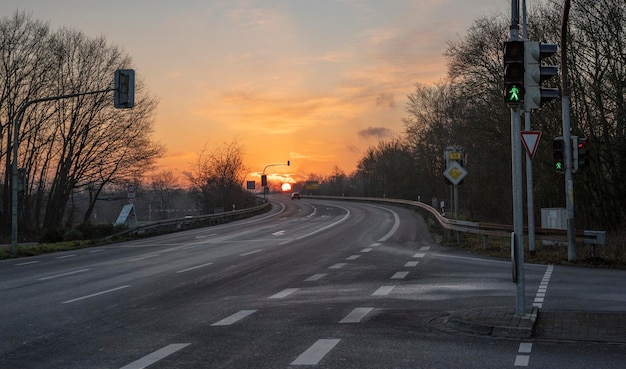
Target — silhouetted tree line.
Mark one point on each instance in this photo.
(72, 145)
(466, 109)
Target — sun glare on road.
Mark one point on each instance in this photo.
(286, 187)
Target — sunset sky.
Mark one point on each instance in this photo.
(315, 82)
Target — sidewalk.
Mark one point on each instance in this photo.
(588, 326)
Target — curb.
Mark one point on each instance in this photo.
(494, 322)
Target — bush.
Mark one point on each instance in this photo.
(52, 235)
(73, 235)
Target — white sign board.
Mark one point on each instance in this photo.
(127, 214)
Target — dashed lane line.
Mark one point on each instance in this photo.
(315, 277)
(524, 348)
(411, 264)
(543, 287)
(383, 291)
(314, 354)
(400, 275)
(284, 293)
(234, 318)
(353, 257)
(356, 315)
(63, 274)
(156, 356)
(419, 255)
(337, 266)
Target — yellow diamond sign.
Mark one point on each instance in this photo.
(455, 173)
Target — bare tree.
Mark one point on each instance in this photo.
(164, 187)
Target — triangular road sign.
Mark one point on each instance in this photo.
(531, 141)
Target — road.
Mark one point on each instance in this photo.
(313, 283)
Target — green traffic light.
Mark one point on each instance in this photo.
(514, 94)
(558, 165)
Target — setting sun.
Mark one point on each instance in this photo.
(285, 187)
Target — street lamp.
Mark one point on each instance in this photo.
(264, 177)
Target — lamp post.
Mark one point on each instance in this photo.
(263, 177)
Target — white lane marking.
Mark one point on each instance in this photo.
(425, 248)
(522, 360)
(473, 259)
(314, 354)
(315, 277)
(193, 268)
(95, 294)
(400, 275)
(234, 318)
(279, 233)
(65, 256)
(368, 249)
(155, 356)
(353, 257)
(63, 274)
(356, 315)
(251, 252)
(28, 263)
(96, 251)
(543, 287)
(411, 264)
(284, 293)
(396, 224)
(383, 291)
(525, 348)
(375, 244)
(419, 255)
(328, 226)
(337, 266)
(144, 257)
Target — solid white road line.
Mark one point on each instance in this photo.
(65, 256)
(337, 266)
(383, 291)
(144, 257)
(251, 252)
(234, 318)
(28, 263)
(193, 268)
(156, 356)
(63, 274)
(95, 294)
(400, 275)
(314, 354)
(284, 293)
(356, 315)
(315, 277)
(411, 264)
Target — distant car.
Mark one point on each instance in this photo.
(295, 195)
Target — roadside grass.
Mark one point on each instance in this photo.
(611, 255)
(45, 248)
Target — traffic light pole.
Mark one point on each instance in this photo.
(567, 142)
(518, 185)
(16, 140)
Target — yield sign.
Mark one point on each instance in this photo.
(531, 141)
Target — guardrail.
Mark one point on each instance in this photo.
(188, 222)
(485, 229)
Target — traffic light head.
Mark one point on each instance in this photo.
(558, 155)
(124, 93)
(514, 73)
(583, 151)
(535, 74)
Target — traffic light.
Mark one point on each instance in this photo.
(558, 154)
(535, 74)
(124, 93)
(581, 148)
(513, 73)
(264, 180)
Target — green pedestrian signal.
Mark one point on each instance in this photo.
(558, 154)
(513, 94)
(514, 73)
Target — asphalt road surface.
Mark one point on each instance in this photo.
(313, 283)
